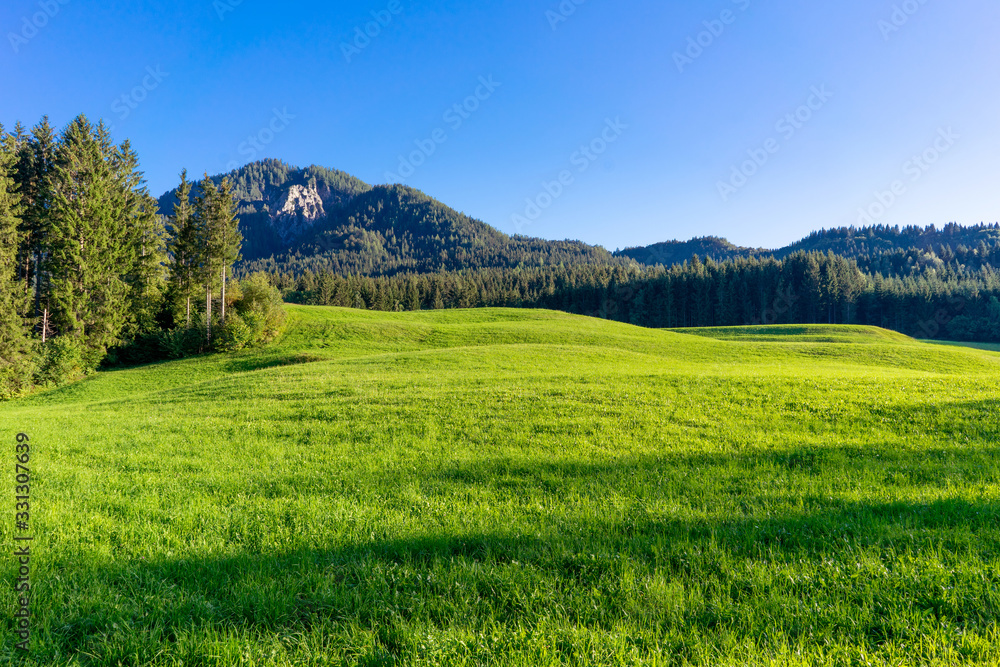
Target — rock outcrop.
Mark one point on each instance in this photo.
(296, 211)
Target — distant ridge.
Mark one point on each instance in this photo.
(866, 244)
(678, 252)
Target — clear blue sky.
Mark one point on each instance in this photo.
(222, 69)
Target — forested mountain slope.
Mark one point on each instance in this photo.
(881, 249)
(321, 219)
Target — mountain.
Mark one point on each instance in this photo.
(883, 249)
(279, 203)
(319, 219)
(297, 219)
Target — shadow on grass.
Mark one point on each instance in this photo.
(391, 588)
(248, 363)
(575, 570)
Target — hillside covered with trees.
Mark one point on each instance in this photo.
(889, 250)
(395, 229)
(319, 219)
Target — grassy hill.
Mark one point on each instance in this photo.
(513, 487)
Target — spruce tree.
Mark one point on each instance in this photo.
(226, 236)
(204, 211)
(33, 174)
(92, 240)
(215, 210)
(15, 345)
(187, 251)
(144, 232)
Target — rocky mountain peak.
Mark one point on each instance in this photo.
(297, 209)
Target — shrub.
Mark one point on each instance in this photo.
(261, 308)
(17, 373)
(235, 335)
(63, 358)
(182, 342)
(143, 349)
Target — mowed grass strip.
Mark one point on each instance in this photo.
(510, 487)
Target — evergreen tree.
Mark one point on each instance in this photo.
(226, 235)
(92, 241)
(15, 346)
(204, 208)
(187, 251)
(216, 211)
(33, 173)
(145, 236)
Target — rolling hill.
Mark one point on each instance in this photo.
(515, 488)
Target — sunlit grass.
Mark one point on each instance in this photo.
(520, 488)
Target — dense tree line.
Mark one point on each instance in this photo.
(88, 267)
(803, 288)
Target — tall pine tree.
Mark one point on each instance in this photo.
(93, 236)
(204, 207)
(187, 252)
(227, 237)
(15, 346)
(35, 162)
(215, 210)
(145, 236)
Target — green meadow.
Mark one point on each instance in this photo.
(517, 488)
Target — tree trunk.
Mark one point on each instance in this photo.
(222, 305)
(208, 316)
(38, 282)
(189, 311)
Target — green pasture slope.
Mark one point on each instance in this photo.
(517, 487)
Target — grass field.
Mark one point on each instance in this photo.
(496, 487)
